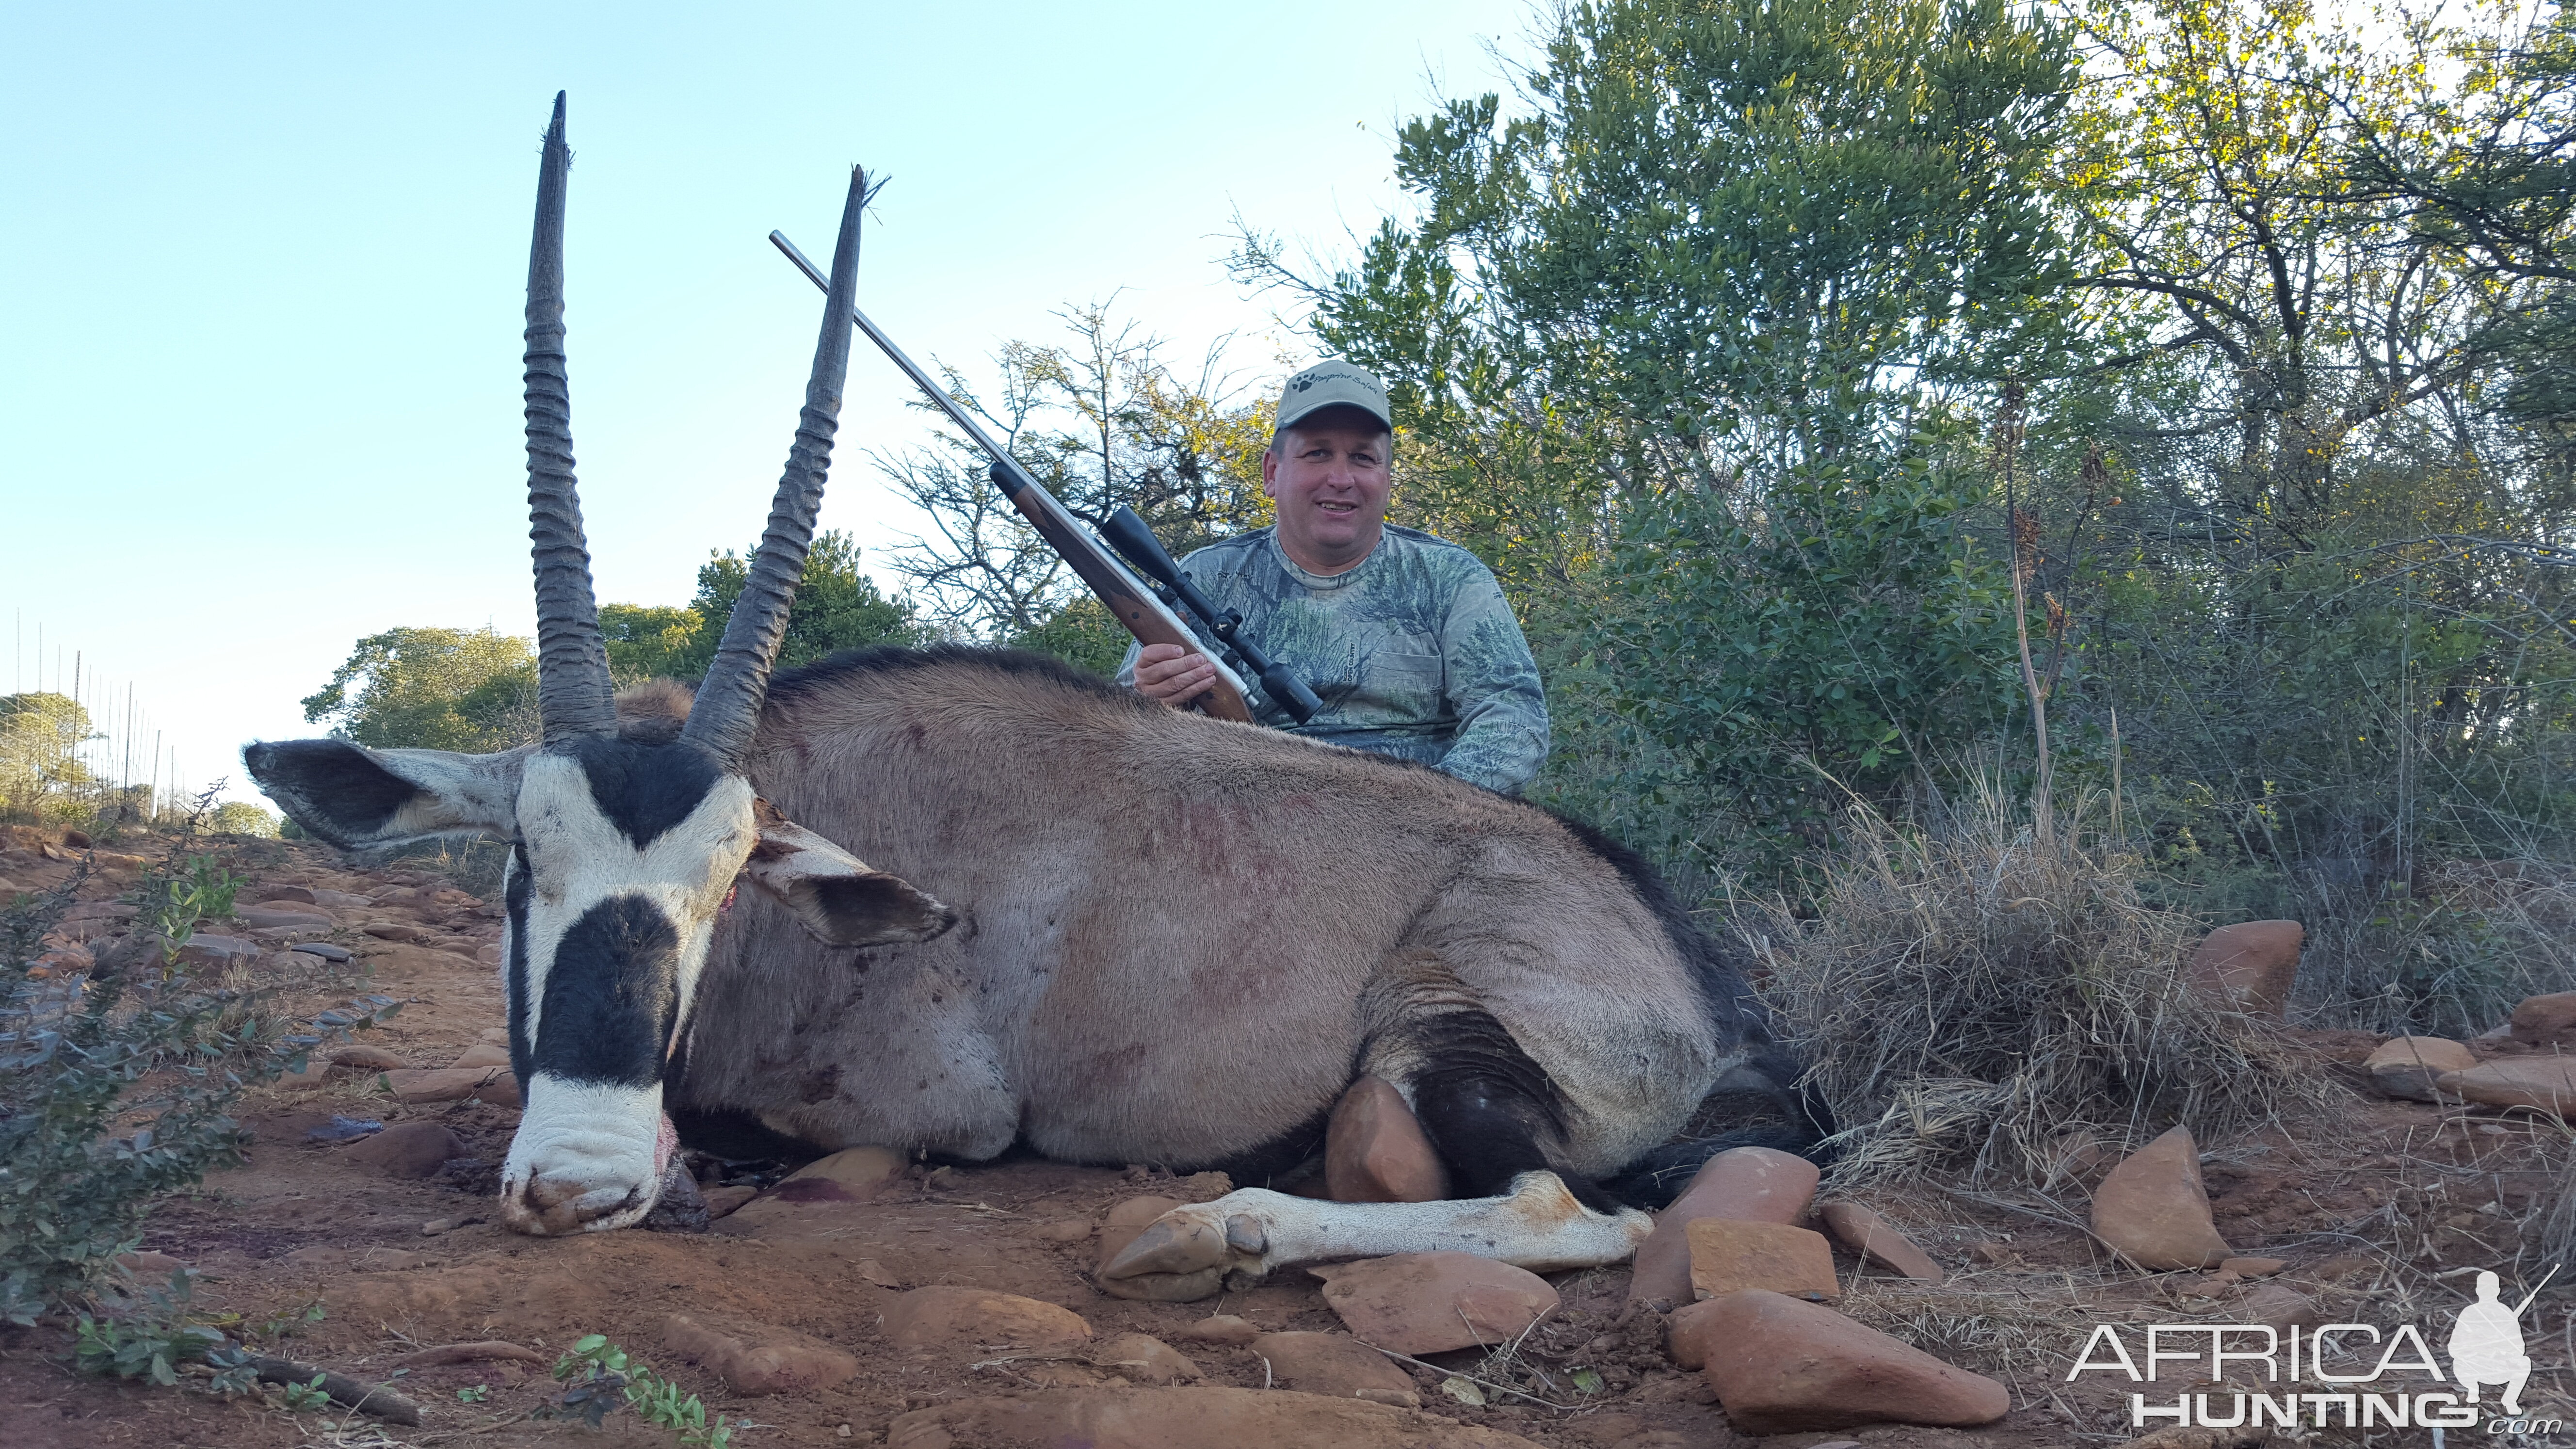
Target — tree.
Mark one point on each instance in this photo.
(1100, 423)
(41, 775)
(472, 690)
(1678, 345)
(836, 608)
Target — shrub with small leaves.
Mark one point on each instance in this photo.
(603, 1378)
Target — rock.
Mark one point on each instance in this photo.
(1223, 1328)
(148, 1264)
(2253, 1267)
(398, 931)
(949, 1320)
(209, 948)
(74, 839)
(2544, 1020)
(723, 1200)
(1184, 1418)
(854, 1174)
(2408, 1066)
(2154, 1211)
(1729, 1256)
(1144, 1359)
(1750, 1184)
(1374, 1150)
(2277, 1306)
(1781, 1367)
(407, 1149)
(485, 1084)
(1128, 1219)
(2547, 1084)
(368, 1058)
(281, 918)
(2251, 965)
(1418, 1303)
(497, 1035)
(1333, 1364)
(482, 1054)
(323, 949)
(300, 895)
(1868, 1234)
(756, 1359)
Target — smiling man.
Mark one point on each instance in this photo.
(1405, 637)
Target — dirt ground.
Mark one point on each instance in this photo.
(2367, 1206)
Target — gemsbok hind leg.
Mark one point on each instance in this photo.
(1489, 1112)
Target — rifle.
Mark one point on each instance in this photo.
(1128, 534)
(1130, 603)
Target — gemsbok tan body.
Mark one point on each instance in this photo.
(1103, 929)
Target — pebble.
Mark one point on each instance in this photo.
(1144, 1359)
(1869, 1235)
(1225, 1328)
(397, 931)
(854, 1174)
(344, 1129)
(1780, 1366)
(1418, 1303)
(2546, 1084)
(208, 948)
(1729, 1256)
(280, 918)
(2153, 1210)
(2251, 965)
(2408, 1066)
(323, 949)
(486, 1084)
(721, 1201)
(757, 1359)
(1375, 1151)
(408, 1149)
(368, 1058)
(946, 1319)
(1751, 1184)
(482, 1054)
(1329, 1363)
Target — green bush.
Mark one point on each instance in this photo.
(116, 1089)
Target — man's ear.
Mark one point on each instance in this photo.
(356, 797)
(833, 892)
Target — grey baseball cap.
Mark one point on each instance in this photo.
(1334, 383)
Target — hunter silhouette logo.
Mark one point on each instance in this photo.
(2486, 1343)
(2373, 1376)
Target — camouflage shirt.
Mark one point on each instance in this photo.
(1413, 652)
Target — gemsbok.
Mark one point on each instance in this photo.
(1122, 933)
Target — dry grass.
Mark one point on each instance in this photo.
(1973, 1001)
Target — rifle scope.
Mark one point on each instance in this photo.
(1128, 534)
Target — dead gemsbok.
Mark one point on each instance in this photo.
(1164, 938)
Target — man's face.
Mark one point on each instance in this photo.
(1329, 478)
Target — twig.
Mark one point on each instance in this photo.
(376, 1400)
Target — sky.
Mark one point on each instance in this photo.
(262, 269)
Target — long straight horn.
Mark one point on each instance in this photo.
(728, 703)
(574, 696)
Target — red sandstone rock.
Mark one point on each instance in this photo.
(756, 1359)
(2409, 1066)
(2545, 1020)
(2250, 965)
(1143, 1359)
(1729, 1256)
(2154, 1211)
(1751, 1184)
(947, 1320)
(1781, 1366)
(1333, 1364)
(2546, 1084)
(407, 1149)
(1374, 1150)
(1418, 1303)
(1868, 1234)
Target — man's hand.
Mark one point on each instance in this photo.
(1172, 674)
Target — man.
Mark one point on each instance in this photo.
(1405, 637)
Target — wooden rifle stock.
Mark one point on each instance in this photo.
(1128, 601)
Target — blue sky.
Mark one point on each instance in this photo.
(259, 332)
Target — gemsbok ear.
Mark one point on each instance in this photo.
(352, 797)
(833, 892)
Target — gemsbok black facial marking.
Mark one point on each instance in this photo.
(644, 790)
(612, 996)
